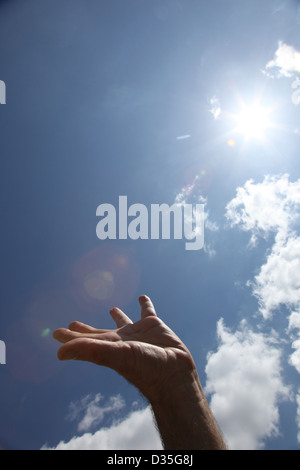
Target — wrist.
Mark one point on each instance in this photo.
(182, 383)
(184, 389)
(184, 418)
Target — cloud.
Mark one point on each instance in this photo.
(278, 281)
(294, 325)
(244, 375)
(90, 413)
(245, 384)
(285, 62)
(183, 137)
(212, 226)
(135, 432)
(273, 207)
(191, 194)
(262, 208)
(295, 357)
(215, 107)
(211, 252)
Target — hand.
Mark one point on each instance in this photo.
(150, 356)
(147, 353)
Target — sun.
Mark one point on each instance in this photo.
(252, 121)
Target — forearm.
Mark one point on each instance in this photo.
(184, 419)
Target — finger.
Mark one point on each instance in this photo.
(119, 317)
(102, 353)
(148, 309)
(64, 335)
(83, 328)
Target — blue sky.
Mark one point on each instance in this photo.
(161, 101)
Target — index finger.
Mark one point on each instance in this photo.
(146, 304)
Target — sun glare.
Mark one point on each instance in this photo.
(252, 121)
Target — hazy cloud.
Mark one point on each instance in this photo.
(183, 137)
(191, 194)
(285, 63)
(89, 412)
(215, 107)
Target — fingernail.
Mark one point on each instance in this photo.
(67, 356)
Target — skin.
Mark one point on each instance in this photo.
(150, 356)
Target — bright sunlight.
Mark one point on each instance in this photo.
(252, 121)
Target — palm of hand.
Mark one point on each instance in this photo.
(147, 353)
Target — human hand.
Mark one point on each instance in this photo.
(147, 353)
(150, 356)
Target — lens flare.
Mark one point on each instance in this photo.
(231, 142)
(104, 277)
(101, 279)
(99, 284)
(45, 332)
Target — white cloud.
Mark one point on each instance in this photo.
(285, 62)
(294, 325)
(136, 432)
(262, 208)
(273, 207)
(90, 413)
(294, 320)
(245, 384)
(278, 281)
(295, 357)
(270, 206)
